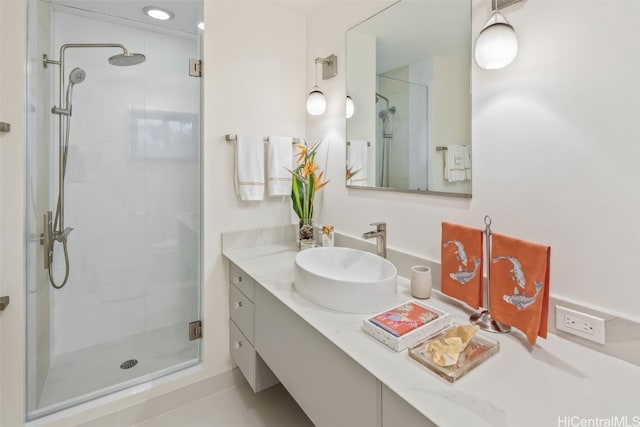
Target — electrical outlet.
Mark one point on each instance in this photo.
(580, 324)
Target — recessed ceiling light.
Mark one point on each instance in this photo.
(159, 13)
(201, 26)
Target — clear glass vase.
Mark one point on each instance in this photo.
(305, 234)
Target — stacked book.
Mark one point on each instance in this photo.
(406, 324)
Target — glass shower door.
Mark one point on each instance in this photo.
(132, 202)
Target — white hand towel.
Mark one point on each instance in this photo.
(455, 163)
(358, 157)
(467, 163)
(250, 167)
(279, 156)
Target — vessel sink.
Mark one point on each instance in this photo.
(345, 279)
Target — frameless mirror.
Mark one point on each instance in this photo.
(409, 75)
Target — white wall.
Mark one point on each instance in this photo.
(12, 280)
(555, 139)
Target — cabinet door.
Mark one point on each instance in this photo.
(331, 388)
(242, 353)
(241, 312)
(397, 412)
(241, 280)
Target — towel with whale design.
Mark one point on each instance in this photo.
(519, 285)
(462, 263)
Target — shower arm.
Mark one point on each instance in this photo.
(58, 232)
(383, 97)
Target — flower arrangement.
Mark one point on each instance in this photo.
(307, 180)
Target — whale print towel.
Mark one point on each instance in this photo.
(519, 285)
(462, 263)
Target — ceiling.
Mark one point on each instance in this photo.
(188, 13)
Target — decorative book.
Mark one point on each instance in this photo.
(406, 324)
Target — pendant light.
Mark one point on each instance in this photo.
(350, 107)
(316, 101)
(497, 44)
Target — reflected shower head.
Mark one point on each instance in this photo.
(125, 59)
(383, 114)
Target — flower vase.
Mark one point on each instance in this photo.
(305, 235)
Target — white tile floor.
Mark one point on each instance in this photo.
(236, 407)
(96, 370)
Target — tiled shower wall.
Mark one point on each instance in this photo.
(132, 185)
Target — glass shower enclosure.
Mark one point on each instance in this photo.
(113, 200)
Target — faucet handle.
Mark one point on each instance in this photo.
(380, 226)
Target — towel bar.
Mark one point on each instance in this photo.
(441, 148)
(368, 143)
(232, 137)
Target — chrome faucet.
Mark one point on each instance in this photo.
(381, 235)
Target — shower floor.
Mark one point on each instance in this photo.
(85, 374)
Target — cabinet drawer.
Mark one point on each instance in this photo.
(241, 312)
(242, 353)
(242, 281)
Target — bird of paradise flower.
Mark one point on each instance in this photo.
(350, 172)
(308, 180)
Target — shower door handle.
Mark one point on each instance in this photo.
(4, 302)
(5, 127)
(46, 239)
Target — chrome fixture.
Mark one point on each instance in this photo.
(387, 135)
(381, 236)
(159, 13)
(4, 302)
(497, 44)
(54, 229)
(316, 102)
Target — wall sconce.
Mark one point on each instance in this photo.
(350, 106)
(497, 43)
(316, 102)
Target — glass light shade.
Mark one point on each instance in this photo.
(497, 44)
(158, 13)
(316, 102)
(350, 107)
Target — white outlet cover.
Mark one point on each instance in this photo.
(598, 334)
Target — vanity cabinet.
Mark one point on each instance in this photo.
(332, 389)
(241, 327)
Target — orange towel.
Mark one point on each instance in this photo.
(462, 263)
(519, 285)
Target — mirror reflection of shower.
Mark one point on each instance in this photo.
(386, 116)
(54, 229)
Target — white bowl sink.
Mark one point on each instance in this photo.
(345, 279)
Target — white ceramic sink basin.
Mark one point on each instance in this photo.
(345, 279)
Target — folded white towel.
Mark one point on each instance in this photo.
(250, 167)
(456, 162)
(358, 157)
(279, 156)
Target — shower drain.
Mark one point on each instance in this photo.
(129, 364)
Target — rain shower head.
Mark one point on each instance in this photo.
(125, 59)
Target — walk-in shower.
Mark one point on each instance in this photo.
(114, 164)
(386, 132)
(54, 230)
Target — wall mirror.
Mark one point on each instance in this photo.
(409, 76)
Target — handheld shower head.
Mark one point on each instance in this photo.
(383, 114)
(77, 75)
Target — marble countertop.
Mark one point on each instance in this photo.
(554, 383)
